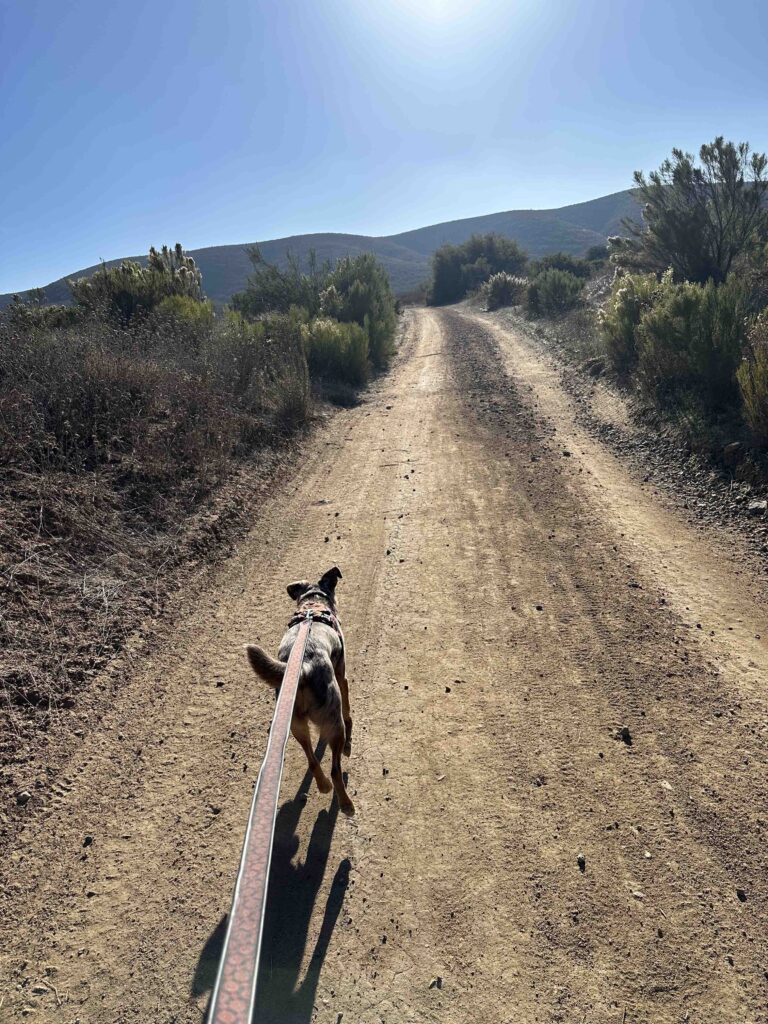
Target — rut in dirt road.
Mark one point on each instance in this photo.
(560, 781)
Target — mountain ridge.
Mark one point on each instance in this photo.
(405, 255)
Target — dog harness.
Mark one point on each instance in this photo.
(319, 613)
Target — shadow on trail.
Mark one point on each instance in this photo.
(293, 888)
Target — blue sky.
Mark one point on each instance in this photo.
(126, 124)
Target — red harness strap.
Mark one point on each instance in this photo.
(234, 993)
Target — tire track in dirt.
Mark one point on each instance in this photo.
(497, 646)
(698, 718)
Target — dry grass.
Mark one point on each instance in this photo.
(115, 446)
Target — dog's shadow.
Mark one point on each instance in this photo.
(293, 889)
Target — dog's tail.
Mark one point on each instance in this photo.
(265, 666)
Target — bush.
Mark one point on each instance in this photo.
(356, 290)
(690, 343)
(459, 269)
(683, 342)
(596, 254)
(503, 290)
(186, 311)
(701, 220)
(553, 291)
(337, 352)
(28, 317)
(619, 318)
(178, 325)
(262, 364)
(561, 261)
(752, 377)
(447, 283)
(130, 289)
(416, 296)
(141, 379)
(75, 400)
(272, 290)
(70, 401)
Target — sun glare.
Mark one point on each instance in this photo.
(436, 11)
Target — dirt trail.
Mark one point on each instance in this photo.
(509, 610)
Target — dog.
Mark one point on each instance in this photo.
(323, 694)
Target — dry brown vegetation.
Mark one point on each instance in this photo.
(124, 421)
(115, 443)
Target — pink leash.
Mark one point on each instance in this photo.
(234, 993)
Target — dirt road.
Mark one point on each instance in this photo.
(560, 747)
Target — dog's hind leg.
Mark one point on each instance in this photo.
(337, 746)
(341, 679)
(300, 729)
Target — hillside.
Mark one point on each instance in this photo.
(405, 256)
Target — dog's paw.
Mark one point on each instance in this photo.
(347, 808)
(324, 784)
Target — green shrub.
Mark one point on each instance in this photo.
(355, 290)
(474, 274)
(690, 343)
(458, 269)
(337, 352)
(447, 283)
(703, 219)
(619, 318)
(186, 311)
(752, 377)
(561, 261)
(178, 324)
(503, 289)
(33, 316)
(596, 254)
(358, 288)
(416, 296)
(555, 291)
(271, 289)
(130, 289)
(285, 374)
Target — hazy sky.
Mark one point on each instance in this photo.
(125, 124)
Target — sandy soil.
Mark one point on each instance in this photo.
(559, 760)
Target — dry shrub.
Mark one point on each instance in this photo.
(113, 440)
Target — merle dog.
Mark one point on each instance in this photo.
(323, 694)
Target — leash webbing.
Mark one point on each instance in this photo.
(234, 993)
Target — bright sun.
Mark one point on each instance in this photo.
(434, 10)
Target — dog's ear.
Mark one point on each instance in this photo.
(295, 590)
(328, 579)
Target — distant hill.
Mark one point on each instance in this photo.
(406, 256)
